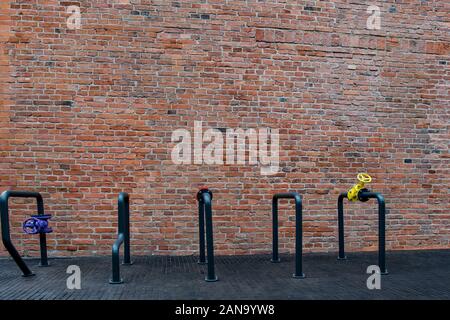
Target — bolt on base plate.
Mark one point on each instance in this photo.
(116, 282)
(212, 280)
(28, 275)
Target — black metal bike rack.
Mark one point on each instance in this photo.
(298, 231)
(364, 195)
(204, 198)
(123, 237)
(6, 236)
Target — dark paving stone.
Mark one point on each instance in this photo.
(413, 275)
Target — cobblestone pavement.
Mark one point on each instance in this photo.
(412, 275)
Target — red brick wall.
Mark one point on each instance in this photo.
(6, 173)
(91, 113)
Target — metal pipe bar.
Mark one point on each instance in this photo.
(206, 198)
(365, 195)
(201, 233)
(123, 237)
(341, 198)
(298, 231)
(116, 279)
(6, 235)
(124, 225)
(381, 227)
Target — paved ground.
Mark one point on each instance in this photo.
(413, 275)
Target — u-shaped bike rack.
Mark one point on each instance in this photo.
(123, 237)
(6, 236)
(298, 231)
(204, 198)
(364, 195)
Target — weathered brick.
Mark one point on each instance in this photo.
(85, 114)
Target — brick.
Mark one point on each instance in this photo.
(85, 114)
